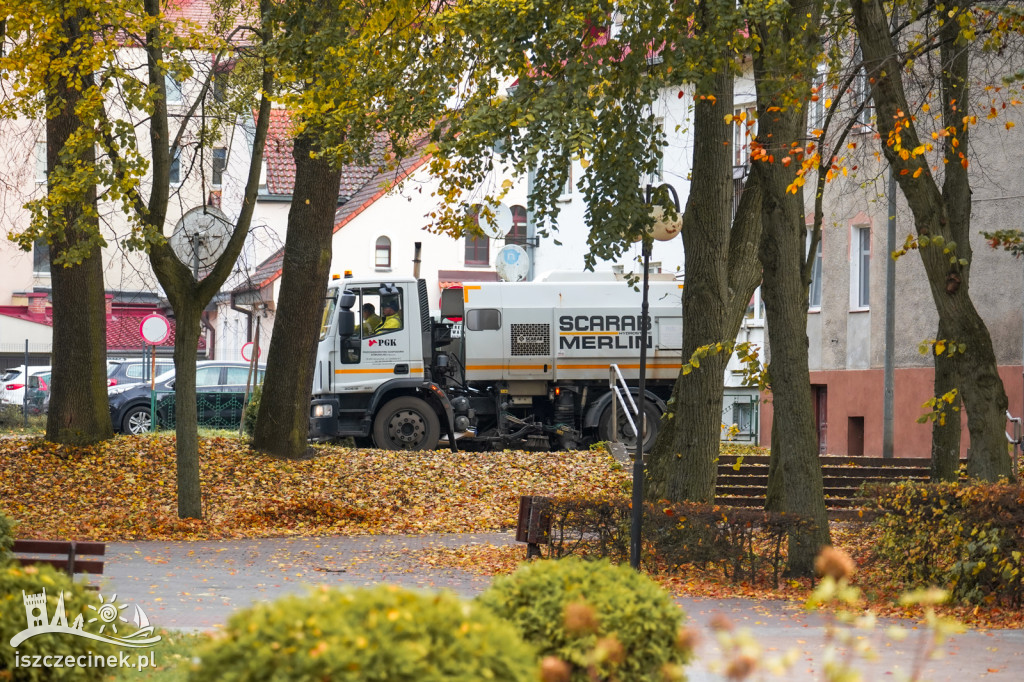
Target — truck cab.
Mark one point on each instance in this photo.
(372, 377)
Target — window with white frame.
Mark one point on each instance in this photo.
(41, 161)
(814, 295)
(175, 171)
(382, 254)
(220, 162)
(657, 177)
(816, 110)
(567, 189)
(41, 257)
(744, 128)
(860, 96)
(860, 267)
(173, 87)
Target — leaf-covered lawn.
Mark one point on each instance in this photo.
(125, 489)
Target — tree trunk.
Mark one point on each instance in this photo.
(683, 462)
(935, 214)
(187, 328)
(282, 424)
(188, 298)
(79, 411)
(795, 480)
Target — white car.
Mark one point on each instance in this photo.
(13, 381)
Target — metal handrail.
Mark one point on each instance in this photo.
(1017, 439)
(615, 379)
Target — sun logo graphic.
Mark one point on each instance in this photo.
(108, 613)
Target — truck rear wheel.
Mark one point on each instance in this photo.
(627, 436)
(406, 423)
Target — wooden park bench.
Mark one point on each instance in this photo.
(534, 523)
(62, 555)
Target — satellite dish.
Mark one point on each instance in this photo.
(512, 263)
(498, 226)
(200, 237)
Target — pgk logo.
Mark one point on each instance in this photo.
(383, 342)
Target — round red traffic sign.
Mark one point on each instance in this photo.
(247, 352)
(155, 329)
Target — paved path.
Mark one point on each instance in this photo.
(197, 585)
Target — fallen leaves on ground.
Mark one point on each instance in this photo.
(880, 595)
(125, 489)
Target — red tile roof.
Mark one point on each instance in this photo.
(281, 164)
(373, 188)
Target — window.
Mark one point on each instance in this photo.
(658, 176)
(220, 162)
(483, 318)
(744, 128)
(814, 295)
(239, 376)
(382, 254)
(755, 309)
(568, 187)
(860, 268)
(816, 112)
(207, 376)
(173, 89)
(41, 161)
(477, 245)
(860, 96)
(175, 172)
(517, 235)
(40, 257)
(477, 250)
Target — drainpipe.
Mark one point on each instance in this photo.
(211, 351)
(248, 318)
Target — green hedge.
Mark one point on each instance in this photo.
(968, 536)
(386, 633)
(604, 621)
(7, 525)
(14, 579)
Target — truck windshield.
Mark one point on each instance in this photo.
(330, 304)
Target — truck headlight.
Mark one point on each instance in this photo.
(322, 410)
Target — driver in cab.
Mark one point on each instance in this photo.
(392, 318)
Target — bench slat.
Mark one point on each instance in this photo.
(42, 546)
(59, 564)
(91, 548)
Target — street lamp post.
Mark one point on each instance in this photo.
(662, 230)
(638, 463)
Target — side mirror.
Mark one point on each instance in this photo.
(346, 323)
(347, 300)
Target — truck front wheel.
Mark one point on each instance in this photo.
(406, 423)
(626, 434)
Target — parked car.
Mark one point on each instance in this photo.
(220, 396)
(13, 381)
(135, 371)
(38, 392)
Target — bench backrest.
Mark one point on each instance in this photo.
(67, 551)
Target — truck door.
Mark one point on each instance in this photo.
(379, 348)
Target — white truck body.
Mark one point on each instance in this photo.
(508, 364)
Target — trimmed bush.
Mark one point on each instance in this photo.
(605, 621)
(967, 536)
(386, 634)
(13, 619)
(7, 525)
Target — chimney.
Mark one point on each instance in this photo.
(109, 304)
(37, 303)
